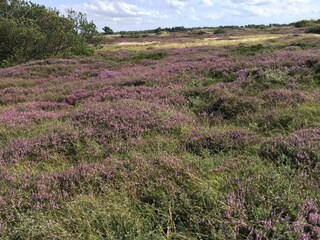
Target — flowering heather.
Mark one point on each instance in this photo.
(14, 118)
(50, 190)
(124, 119)
(31, 113)
(285, 97)
(139, 142)
(112, 93)
(224, 101)
(301, 149)
(14, 95)
(217, 141)
(307, 225)
(77, 96)
(104, 75)
(61, 141)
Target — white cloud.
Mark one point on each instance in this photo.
(148, 14)
(177, 3)
(116, 9)
(269, 8)
(207, 2)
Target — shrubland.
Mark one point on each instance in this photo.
(198, 142)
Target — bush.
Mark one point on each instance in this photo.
(250, 50)
(315, 29)
(302, 23)
(82, 50)
(4, 64)
(219, 31)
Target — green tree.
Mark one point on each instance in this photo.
(31, 31)
(86, 29)
(107, 30)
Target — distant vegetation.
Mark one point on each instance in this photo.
(107, 30)
(31, 31)
(217, 30)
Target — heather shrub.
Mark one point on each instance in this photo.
(26, 115)
(228, 106)
(272, 78)
(257, 201)
(61, 141)
(221, 100)
(307, 225)
(277, 120)
(169, 186)
(165, 189)
(250, 50)
(50, 190)
(115, 93)
(300, 150)
(105, 121)
(284, 97)
(124, 119)
(219, 141)
(14, 118)
(14, 95)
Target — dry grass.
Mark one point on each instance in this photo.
(141, 46)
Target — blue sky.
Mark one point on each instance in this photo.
(147, 14)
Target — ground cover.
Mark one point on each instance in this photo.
(180, 137)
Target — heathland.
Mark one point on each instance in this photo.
(184, 135)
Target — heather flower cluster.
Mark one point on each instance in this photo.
(113, 93)
(300, 150)
(307, 225)
(31, 113)
(123, 119)
(59, 141)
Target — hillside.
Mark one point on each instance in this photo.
(190, 135)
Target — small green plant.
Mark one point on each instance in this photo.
(219, 31)
(4, 64)
(250, 50)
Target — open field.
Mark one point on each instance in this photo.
(212, 41)
(180, 136)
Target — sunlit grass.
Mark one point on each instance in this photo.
(142, 46)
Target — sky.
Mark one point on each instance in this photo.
(124, 15)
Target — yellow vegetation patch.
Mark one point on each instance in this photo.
(142, 46)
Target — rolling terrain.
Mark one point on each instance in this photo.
(170, 136)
